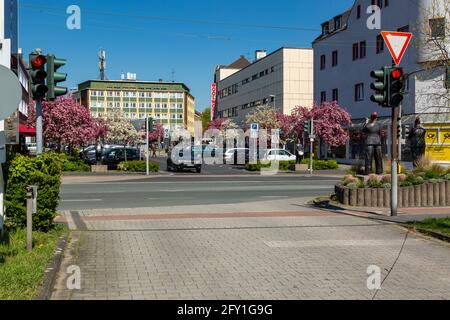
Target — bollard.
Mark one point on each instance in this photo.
(31, 209)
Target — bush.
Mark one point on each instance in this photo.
(73, 164)
(353, 186)
(406, 184)
(374, 181)
(447, 176)
(386, 186)
(430, 175)
(44, 172)
(138, 166)
(387, 178)
(283, 166)
(323, 164)
(350, 179)
(418, 181)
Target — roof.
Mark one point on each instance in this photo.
(128, 84)
(345, 17)
(240, 63)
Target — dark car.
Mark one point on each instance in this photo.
(112, 157)
(183, 164)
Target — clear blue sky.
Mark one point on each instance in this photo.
(137, 40)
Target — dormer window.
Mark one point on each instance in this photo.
(325, 28)
(337, 22)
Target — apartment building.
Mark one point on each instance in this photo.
(347, 50)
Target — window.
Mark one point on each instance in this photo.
(335, 58)
(254, 77)
(355, 51)
(437, 28)
(358, 12)
(337, 22)
(380, 44)
(335, 95)
(325, 28)
(362, 49)
(323, 96)
(359, 92)
(322, 62)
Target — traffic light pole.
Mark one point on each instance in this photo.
(394, 158)
(148, 146)
(39, 128)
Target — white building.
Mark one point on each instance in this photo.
(348, 50)
(283, 79)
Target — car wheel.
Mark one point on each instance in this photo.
(198, 169)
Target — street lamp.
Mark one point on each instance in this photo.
(274, 100)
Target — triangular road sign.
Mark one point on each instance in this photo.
(397, 42)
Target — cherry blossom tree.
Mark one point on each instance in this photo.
(158, 133)
(66, 123)
(121, 129)
(265, 116)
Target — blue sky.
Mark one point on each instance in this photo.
(155, 38)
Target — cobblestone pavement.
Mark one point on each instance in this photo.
(304, 256)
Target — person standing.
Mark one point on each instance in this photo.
(372, 129)
(300, 152)
(417, 142)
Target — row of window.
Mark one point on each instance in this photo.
(134, 94)
(101, 104)
(133, 115)
(359, 93)
(233, 112)
(235, 87)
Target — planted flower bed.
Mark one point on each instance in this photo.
(428, 186)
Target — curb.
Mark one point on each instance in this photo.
(46, 289)
(434, 234)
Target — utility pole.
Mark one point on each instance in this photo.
(394, 169)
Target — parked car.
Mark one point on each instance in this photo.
(279, 155)
(32, 149)
(184, 164)
(115, 155)
(232, 156)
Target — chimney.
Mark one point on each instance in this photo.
(259, 54)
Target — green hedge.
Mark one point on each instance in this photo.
(138, 166)
(323, 164)
(43, 171)
(283, 166)
(73, 164)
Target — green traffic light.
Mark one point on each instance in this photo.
(380, 86)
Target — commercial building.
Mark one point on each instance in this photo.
(347, 50)
(282, 79)
(170, 104)
(17, 134)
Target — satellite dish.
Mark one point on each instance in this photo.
(10, 92)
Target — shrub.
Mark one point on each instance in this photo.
(386, 186)
(138, 166)
(386, 178)
(423, 165)
(437, 168)
(431, 175)
(401, 177)
(418, 181)
(283, 166)
(323, 164)
(44, 172)
(350, 179)
(433, 180)
(72, 164)
(353, 186)
(374, 181)
(406, 184)
(447, 176)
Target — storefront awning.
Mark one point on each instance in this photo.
(24, 130)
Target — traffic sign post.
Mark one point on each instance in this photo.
(397, 43)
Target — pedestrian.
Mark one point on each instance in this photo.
(154, 151)
(300, 152)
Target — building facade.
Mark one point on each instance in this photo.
(170, 104)
(282, 79)
(347, 51)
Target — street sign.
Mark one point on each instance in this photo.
(254, 130)
(10, 92)
(397, 43)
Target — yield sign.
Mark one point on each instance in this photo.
(397, 42)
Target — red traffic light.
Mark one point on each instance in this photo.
(39, 61)
(397, 74)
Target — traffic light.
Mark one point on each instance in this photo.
(37, 75)
(55, 77)
(150, 124)
(407, 131)
(396, 85)
(380, 86)
(399, 128)
(308, 127)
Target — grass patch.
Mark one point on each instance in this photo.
(440, 225)
(21, 273)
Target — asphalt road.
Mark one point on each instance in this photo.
(185, 190)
